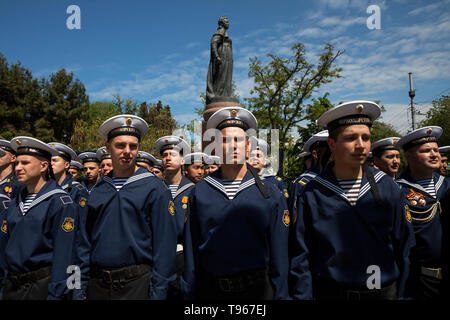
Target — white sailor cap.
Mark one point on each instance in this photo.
(88, 157)
(304, 154)
(214, 160)
(196, 157)
(145, 157)
(172, 142)
(385, 144)
(32, 146)
(64, 151)
(350, 113)
(259, 144)
(444, 149)
(103, 154)
(6, 145)
(232, 117)
(2, 152)
(124, 124)
(420, 136)
(76, 165)
(315, 138)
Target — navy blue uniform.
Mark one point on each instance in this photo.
(298, 185)
(10, 187)
(133, 226)
(79, 195)
(337, 242)
(181, 201)
(224, 237)
(44, 235)
(424, 210)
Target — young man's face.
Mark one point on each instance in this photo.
(424, 156)
(444, 162)
(59, 165)
(73, 173)
(352, 145)
(389, 161)
(91, 171)
(195, 172)
(123, 151)
(257, 159)
(28, 168)
(106, 166)
(235, 145)
(172, 160)
(7, 160)
(210, 168)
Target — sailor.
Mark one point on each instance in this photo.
(352, 237)
(421, 189)
(444, 170)
(316, 148)
(105, 160)
(146, 160)
(9, 186)
(259, 150)
(91, 165)
(171, 149)
(386, 156)
(76, 169)
(236, 234)
(79, 195)
(194, 166)
(131, 222)
(38, 229)
(212, 165)
(158, 169)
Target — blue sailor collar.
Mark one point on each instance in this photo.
(215, 180)
(406, 179)
(9, 176)
(66, 181)
(328, 180)
(50, 188)
(139, 174)
(185, 184)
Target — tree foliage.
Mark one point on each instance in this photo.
(284, 86)
(439, 115)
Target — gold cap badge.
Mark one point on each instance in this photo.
(233, 113)
(429, 131)
(128, 121)
(359, 108)
(19, 142)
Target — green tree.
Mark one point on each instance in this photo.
(284, 85)
(439, 115)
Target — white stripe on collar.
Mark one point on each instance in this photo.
(64, 187)
(332, 187)
(182, 189)
(130, 179)
(40, 199)
(438, 184)
(414, 185)
(216, 184)
(366, 186)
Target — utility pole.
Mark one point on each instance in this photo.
(412, 93)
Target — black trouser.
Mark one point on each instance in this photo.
(27, 286)
(174, 292)
(330, 290)
(247, 285)
(128, 283)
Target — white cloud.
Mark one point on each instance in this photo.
(426, 9)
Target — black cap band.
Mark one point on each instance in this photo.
(348, 121)
(232, 123)
(34, 152)
(145, 160)
(124, 131)
(9, 149)
(420, 141)
(171, 147)
(90, 159)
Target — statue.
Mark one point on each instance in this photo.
(220, 71)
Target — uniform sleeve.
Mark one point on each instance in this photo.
(300, 279)
(4, 236)
(82, 244)
(190, 238)
(403, 241)
(63, 222)
(278, 242)
(164, 242)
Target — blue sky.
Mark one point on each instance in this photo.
(159, 50)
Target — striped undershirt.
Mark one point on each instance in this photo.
(28, 200)
(428, 185)
(231, 187)
(119, 182)
(173, 189)
(351, 189)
